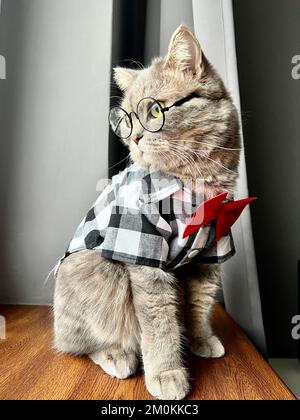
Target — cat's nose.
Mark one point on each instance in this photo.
(136, 139)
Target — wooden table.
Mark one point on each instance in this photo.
(31, 369)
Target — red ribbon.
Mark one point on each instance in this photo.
(226, 215)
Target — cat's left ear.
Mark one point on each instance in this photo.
(124, 77)
(185, 52)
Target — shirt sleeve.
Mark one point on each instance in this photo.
(140, 239)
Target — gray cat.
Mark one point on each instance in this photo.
(116, 312)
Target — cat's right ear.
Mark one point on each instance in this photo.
(185, 52)
(124, 77)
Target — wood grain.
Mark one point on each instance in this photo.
(31, 370)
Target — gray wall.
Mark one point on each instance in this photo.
(54, 133)
(268, 34)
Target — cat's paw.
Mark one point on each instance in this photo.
(116, 362)
(208, 348)
(169, 385)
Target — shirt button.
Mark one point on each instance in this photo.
(193, 254)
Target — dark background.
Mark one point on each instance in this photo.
(128, 50)
(268, 36)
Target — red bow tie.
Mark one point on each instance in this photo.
(225, 213)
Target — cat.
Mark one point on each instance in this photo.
(117, 313)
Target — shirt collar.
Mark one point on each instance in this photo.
(156, 186)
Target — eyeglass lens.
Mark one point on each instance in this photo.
(150, 116)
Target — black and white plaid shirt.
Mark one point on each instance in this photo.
(140, 218)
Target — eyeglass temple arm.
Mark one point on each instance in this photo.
(181, 101)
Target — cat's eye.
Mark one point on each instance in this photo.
(151, 115)
(156, 109)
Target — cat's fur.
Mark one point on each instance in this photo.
(115, 312)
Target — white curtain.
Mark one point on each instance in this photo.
(212, 21)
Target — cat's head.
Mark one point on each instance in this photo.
(197, 136)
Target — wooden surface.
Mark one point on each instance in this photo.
(30, 369)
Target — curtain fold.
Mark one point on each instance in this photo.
(245, 267)
(214, 25)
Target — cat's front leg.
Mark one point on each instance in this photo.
(156, 304)
(202, 283)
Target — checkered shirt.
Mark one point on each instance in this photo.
(140, 217)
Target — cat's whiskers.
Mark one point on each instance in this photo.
(179, 150)
(213, 146)
(137, 63)
(121, 161)
(190, 161)
(183, 157)
(203, 155)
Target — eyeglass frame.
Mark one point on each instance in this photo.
(163, 110)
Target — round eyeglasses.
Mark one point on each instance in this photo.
(150, 113)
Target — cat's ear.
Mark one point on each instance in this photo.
(124, 77)
(185, 52)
